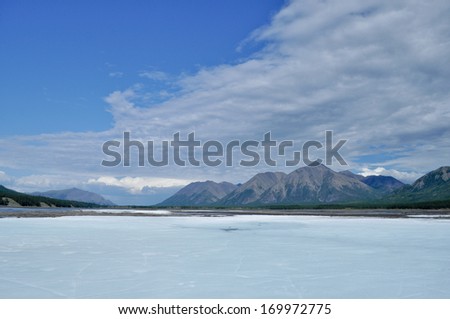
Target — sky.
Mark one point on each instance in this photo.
(76, 74)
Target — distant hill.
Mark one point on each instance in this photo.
(434, 186)
(385, 184)
(9, 197)
(75, 194)
(199, 194)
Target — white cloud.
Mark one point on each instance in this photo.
(362, 69)
(44, 182)
(116, 74)
(407, 177)
(121, 101)
(154, 75)
(136, 185)
(4, 177)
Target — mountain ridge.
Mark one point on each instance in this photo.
(199, 194)
(321, 185)
(252, 189)
(434, 186)
(316, 184)
(76, 194)
(9, 197)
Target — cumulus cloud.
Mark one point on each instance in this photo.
(138, 184)
(154, 75)
(31, 183)
(406, 177)
(366, 70)
(116, 74)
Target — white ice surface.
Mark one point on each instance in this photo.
(129, 211)
(224, 257)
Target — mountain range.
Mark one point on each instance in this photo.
(314, 185)
(310, 185)
(9, 197)
(434, 186)
(76, 194)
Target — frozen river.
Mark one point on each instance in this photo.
(224, 257)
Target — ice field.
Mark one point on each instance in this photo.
(224, 257)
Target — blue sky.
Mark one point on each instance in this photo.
(59, 59)
(78, 73)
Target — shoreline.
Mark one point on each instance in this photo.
(368, 213)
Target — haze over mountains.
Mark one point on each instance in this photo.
(76, 194)
(315, 185)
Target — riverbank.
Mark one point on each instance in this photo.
(6, 212)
